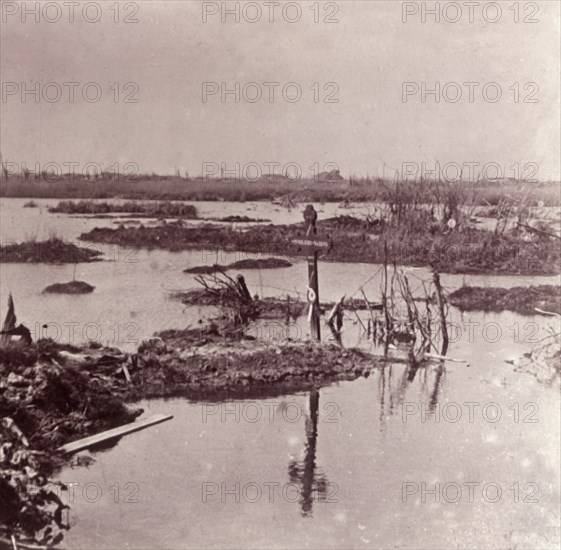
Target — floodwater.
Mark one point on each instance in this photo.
(461, 455)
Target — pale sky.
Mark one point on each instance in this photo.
(368, 54)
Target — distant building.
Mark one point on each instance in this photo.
(332, 176)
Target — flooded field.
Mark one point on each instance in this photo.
(452, 455)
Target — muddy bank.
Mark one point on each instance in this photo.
(519, 299)
(73, 287)
(260, 263)
(419, 242)
(146, 209)
(205, 362)
(52, 251)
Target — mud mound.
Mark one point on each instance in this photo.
(522, 300)
(205, 269)
(73, 287)
(265, 263)
(51, 251)
(350, 223)
(202, 364)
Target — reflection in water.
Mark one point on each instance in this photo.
(303, 473)
(440, 370)
(392, 390)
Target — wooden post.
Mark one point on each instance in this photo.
(310, 217)
(313, 284)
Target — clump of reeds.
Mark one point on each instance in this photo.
(417, 322)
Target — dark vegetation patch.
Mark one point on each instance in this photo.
(519, 299)
(147, 209)
(52, 251)
(73, 287)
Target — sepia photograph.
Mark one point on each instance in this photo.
(280, 274)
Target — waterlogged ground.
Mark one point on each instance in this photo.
(353, 467)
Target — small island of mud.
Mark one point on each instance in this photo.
(523, 300)
(260, 263)
(53, 251)
(136, 209)
(73, 287)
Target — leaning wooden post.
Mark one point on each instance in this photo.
(310, 217)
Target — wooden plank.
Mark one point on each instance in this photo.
(18, 545)
(86, 442)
